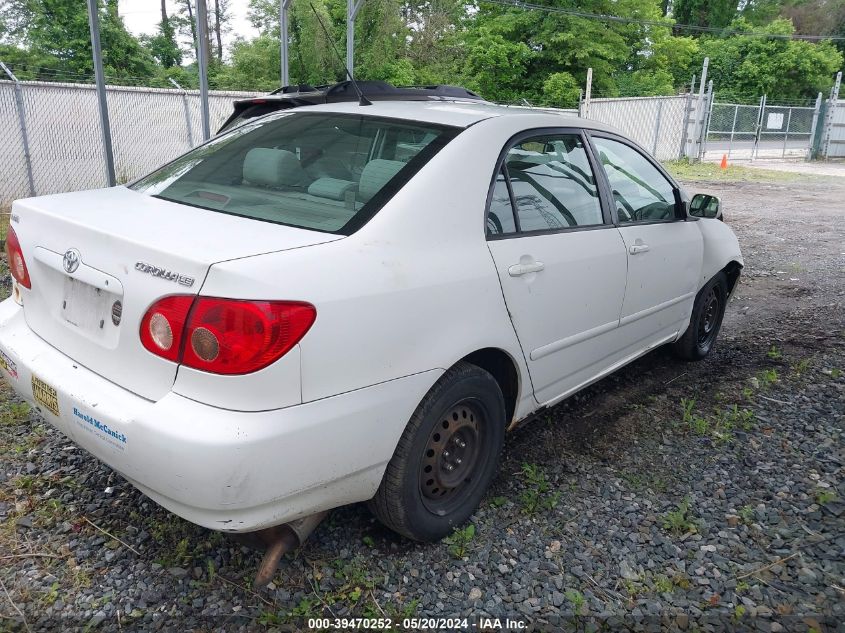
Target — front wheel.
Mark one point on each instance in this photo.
(707, 313)
(446, 458)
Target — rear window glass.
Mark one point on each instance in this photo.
(328, 172)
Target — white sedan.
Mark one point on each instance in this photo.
(346, 303)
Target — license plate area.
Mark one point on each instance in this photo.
(85, 306)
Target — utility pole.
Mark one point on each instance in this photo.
(94, 24)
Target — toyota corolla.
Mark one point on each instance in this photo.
(346, 303)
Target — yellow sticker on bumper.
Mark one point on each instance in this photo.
(45, 394)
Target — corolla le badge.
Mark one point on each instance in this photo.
(71, 260)
(169, 275)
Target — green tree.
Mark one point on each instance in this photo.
(561, 90)
(746, 67)
(163, 45)
(711, 13)
(59, 29)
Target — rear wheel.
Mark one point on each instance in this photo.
(446, 458)
(707, 314)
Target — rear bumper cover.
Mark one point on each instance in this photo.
(226, 470)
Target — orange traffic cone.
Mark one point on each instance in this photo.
(724, 163)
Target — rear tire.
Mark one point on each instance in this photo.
(707, 314)
(446, 458)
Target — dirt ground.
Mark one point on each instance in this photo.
(599, 480)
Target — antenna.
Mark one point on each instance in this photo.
(362, 100)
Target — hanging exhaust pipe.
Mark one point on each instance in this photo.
(282, 539)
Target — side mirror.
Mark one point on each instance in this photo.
(704, 205)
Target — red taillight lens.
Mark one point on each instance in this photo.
(224, 336)
(163, 325)
(228, 336)
(17, 264)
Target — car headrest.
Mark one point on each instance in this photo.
(375, 175)
(332, 188)
(272, 168)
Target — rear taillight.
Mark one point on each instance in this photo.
(163, 325)
(224, 336)
(17, 264)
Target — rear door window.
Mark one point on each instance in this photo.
(552, 183)
(323, 171)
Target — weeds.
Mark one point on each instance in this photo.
(801, 367)
(725, 420)
(498, 502)
(576, 598)
(824, 496)
(746, 515)
(774, 353)
(459, 541)
(662, 584)
(767, 378)
(680, 520)
(538, 494)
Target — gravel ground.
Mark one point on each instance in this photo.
(669, 496)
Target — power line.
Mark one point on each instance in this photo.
(518, 4)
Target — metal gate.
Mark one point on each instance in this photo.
(764, 130)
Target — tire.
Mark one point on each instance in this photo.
(446, 458)
(707, 314)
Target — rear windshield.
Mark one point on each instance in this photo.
(323, 171)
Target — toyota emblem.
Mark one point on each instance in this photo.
(71, 260)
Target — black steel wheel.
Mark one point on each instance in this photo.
(446, 457)
(706, 320)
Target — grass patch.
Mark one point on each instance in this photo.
(711, 172)
(5, 214)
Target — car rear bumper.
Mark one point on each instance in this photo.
(227, 470)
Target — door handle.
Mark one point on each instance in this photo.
(638, 248)
(523, 269)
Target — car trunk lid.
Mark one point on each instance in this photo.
(99, 259)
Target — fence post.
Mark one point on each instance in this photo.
(733, 129)
(187, 111)
(685, 130)
(760, 120)
(705, 124)
(94, 26)
(202, 65)
(812, 146)
(587, 93)
(22, 122)
(657, 127)
(786, 136)
(699, 103)
(832, 104)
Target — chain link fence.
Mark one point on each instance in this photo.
(52, 142)
(764, 130)
(665, 126)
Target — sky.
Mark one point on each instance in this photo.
(142, 16)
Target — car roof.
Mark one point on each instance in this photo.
(458, 113)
